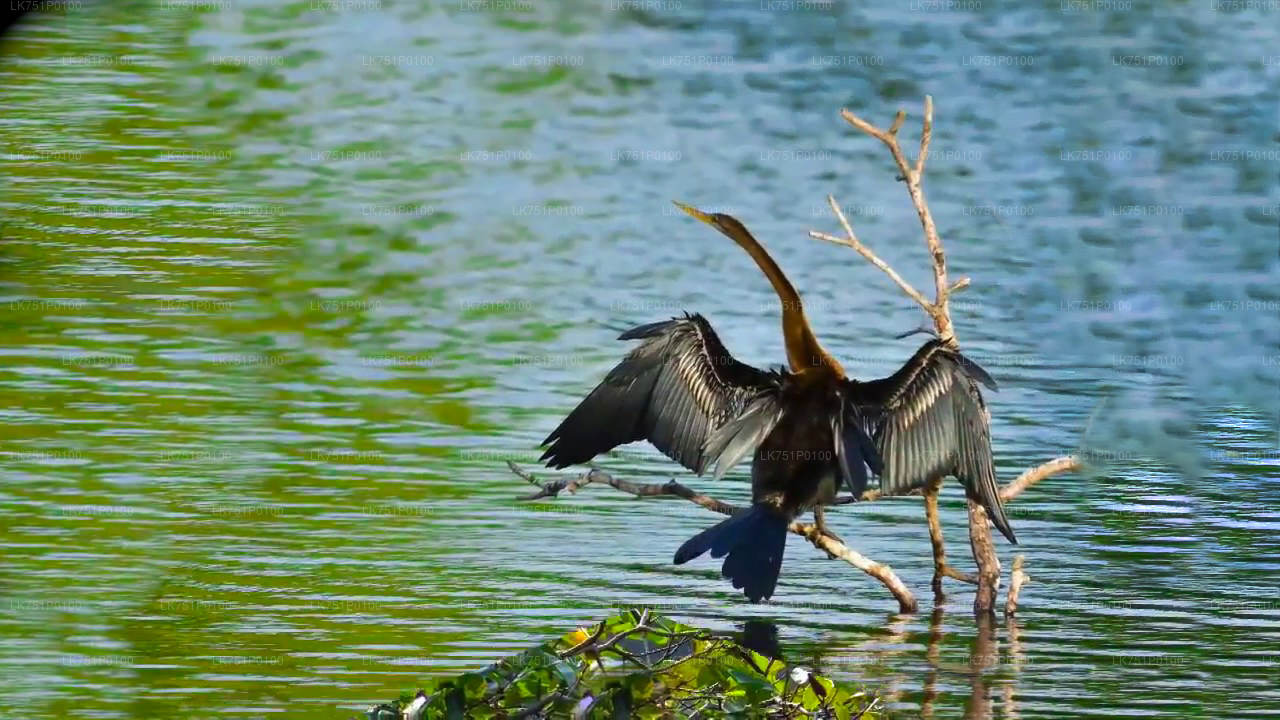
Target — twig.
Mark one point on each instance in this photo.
(551, 489)
(588, 644)
(834, 548)
(926, 134)
(914, 175)
(852, 241)
(537, 707)
(1016, 580)
(573, 484)
(585, 644)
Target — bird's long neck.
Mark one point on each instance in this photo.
(803, 350)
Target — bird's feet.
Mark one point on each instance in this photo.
(820, 522)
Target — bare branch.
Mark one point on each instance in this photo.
(1016, 580)
(851, 240)
(551, 489)
(572, 484)
(984, 556)
(914, 175)
(926, 134)
(940, 567)
(884, 136)
(833, 547)
(955, 574)
(898, 118)
(1031, 476)
(883, 573)
(935, 538)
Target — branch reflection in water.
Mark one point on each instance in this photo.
(938, 695)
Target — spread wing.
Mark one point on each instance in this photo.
(929, 419)
(674, 390)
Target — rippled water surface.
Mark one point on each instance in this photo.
(284, 285)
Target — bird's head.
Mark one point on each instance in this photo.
(726, 224)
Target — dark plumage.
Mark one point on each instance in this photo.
(751, 542)
(674, 390)
(928, 419)
(682, 391)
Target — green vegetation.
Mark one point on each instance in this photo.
(639, 665)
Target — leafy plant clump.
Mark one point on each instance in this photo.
(634, 665)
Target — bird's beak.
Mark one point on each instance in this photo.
(695, 212)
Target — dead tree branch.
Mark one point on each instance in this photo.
(1031, 476)
(1017, 579)
(834, 548)
(671, 487)
(913, 174)
(988, 577)
(831, 546)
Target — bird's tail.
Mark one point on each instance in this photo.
(753, 541)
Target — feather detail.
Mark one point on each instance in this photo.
(674, 390)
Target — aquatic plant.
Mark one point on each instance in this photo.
(635, 665)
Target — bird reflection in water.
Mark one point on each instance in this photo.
(761, 636)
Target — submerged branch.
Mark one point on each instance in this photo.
(1016, 580)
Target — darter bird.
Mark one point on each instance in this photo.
(809, 427)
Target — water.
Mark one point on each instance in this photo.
(283, 286)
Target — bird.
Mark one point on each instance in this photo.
(809, 427)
